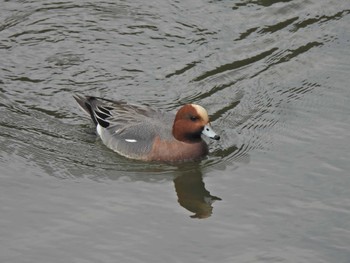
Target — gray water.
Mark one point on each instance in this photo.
(274, 77)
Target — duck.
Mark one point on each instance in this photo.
(143, 133)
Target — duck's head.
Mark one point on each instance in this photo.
(191, 121)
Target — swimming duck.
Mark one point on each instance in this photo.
(143, 133)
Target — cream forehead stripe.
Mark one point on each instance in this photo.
(201, 111)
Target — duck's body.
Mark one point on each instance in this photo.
(143, 133)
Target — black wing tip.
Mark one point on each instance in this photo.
(97, 112)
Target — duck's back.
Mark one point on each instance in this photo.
(135, 139)
(128, 129)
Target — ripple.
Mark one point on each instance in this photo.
(235, 65)
(248, 75)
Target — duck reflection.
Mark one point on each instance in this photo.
(192, 194)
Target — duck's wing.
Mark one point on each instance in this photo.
(125, 128)
(107, 112)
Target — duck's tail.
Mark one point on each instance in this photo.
(86, 104)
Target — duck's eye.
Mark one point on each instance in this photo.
(194, 118)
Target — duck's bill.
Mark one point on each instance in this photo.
(208, 131)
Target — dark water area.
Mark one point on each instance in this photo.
(274, 77)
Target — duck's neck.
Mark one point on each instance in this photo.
(180, 134)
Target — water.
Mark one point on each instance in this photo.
(273, 76)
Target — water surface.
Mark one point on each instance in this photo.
(273, 76)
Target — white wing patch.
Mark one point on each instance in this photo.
(99, 129)
(130, 140)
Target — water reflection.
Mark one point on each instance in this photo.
(192, 194)
(188, 180)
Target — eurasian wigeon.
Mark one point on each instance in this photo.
(143, 133)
